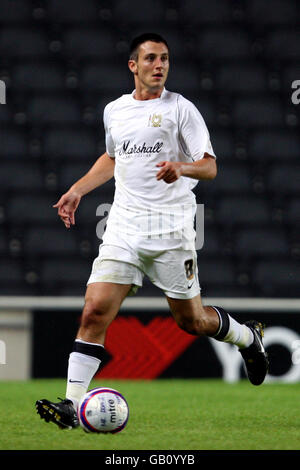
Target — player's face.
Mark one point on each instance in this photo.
(152, 66)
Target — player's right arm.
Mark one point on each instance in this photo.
(101, 172)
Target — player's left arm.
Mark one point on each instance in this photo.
(203, 169)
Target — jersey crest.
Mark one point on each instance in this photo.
(155, 120)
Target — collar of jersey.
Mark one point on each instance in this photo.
(148, 101)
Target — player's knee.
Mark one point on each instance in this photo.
(94, 313)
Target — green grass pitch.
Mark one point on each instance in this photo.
(164, 415)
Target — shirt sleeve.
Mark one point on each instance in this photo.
(193, 133)
(109, 143)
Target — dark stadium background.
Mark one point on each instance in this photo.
(62, 61)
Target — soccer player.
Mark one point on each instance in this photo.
(157, 148)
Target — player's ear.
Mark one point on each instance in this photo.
(132, 65)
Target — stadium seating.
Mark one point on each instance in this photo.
(239, 78)
(43, 241)
(292, 216)
(63, 61)
(65, 144)
(250, 243)
(276, 278)
(258, 112)
(284, 179)
(37, 77)
(151, 12)
(283, 45)
(243, 211)
(87, 44)
(72, 12)
(271, 145)
(63, 275)
(214, 12)
(15, 12)
(23, 43)
(51, 111)
(96, 78)
(223, 44)
(11, 277)
(281, 12)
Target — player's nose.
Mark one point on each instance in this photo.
(159, 64)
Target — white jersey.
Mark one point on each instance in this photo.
(140, 134)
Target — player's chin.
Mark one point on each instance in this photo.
(158, 83)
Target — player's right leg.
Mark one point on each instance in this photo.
(102, 303)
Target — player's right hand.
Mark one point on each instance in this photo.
(67, 206)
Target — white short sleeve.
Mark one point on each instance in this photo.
(110, 147)
(193, 133)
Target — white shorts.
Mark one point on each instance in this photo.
(175, 272)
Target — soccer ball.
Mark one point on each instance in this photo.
(103, 410)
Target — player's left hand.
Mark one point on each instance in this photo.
(169, 171)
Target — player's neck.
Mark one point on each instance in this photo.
(144, 94)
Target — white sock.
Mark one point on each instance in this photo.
(230, 331)
(238, 334)
(81, 370)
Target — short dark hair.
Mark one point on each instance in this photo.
(137, 41)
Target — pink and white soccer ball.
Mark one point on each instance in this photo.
(103, 410)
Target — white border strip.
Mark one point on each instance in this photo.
(150, 303)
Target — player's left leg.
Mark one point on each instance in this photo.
(196, 319)
(176, 273)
